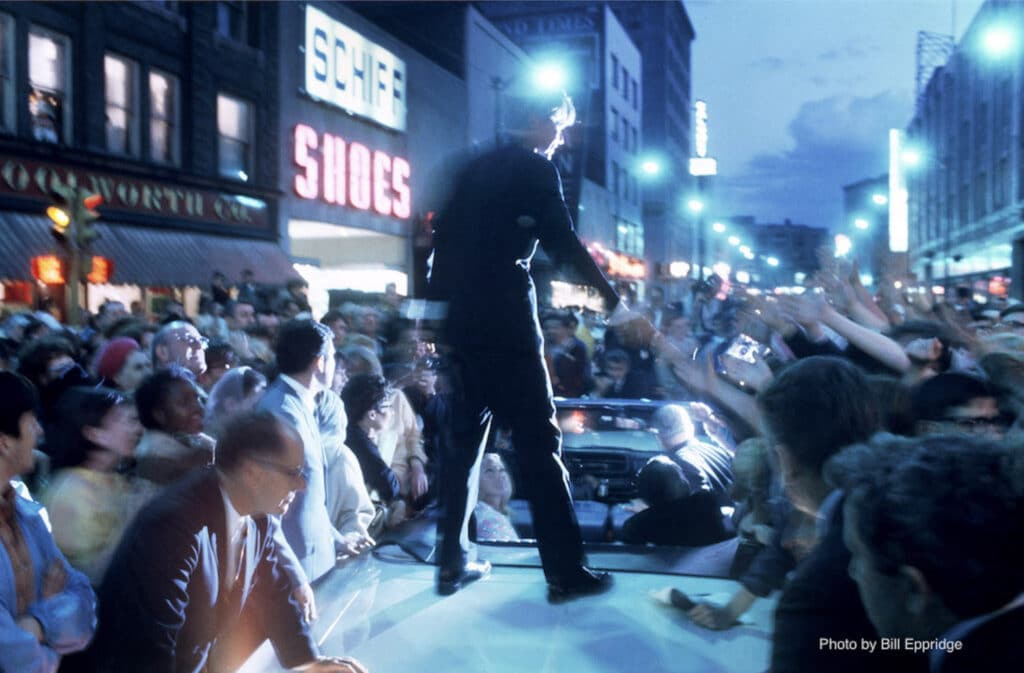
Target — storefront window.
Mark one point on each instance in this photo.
(48, 85)
(120, 76)
(234, 143)
(163, 118)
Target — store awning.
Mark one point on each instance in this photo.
(147, 257)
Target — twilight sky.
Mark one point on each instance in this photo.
(801, 94)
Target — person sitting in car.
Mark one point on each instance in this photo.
(491, 512)
(707, 467)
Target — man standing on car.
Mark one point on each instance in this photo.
(503, 203)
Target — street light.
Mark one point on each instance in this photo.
(879, 199)
(772, 261)
(861, 223)
(651, 167)
(998, 41)
(843, 245)
(695, 205)
(549, 77)
(734, 240)
(910, 157)
(718, 227)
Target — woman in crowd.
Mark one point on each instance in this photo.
(236, 392)
(491, 511)
(123, 364)
(174, 442)
(90, 500)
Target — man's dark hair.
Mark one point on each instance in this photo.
(19, 396)
(947, 505)
(963, 292)
(933, 397)
(362, 394)
(333, 315)
(661, 481)
(818, 405)
(253, 434)
(153, 392)
(220, 354)
(616, 356)
(35, 357)
(300, 343)
(895, 404)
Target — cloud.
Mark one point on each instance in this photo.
(770, 63)
(836, 141)
(857, 47)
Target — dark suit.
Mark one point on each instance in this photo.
(821, 601)
(504, 202)
(164, 606)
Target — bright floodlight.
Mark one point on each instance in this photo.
(718, 227)
(734, 240)
(772, 261)
(695, 205)
(650, 167)
(998, 41)
(549, 77)
(861, 223)
(745, 250)
(879, 199)
(748, 255)
(843, 245)
(722, 269)
(910, 157)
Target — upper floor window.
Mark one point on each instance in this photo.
(615, 125)
(233, 20)
(615, 71)
(122, 113)
(163, 118)
(234, 138)
(49, 94)
(636, 98)
(6, 72)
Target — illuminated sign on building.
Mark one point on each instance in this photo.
(345, 69)
(48, 269)
(348, 173)
(616, 264)
(700, 136)
(898, 210)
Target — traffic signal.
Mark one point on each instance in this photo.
(61, 211)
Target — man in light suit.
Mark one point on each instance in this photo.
(305, 359)
(202, 577)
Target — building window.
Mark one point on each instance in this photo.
(122, 118)
(232, 20)
(6, 73)
(635, 139)
(625, 83)
(615, 125)
(615, 178)
(49, 91)
(234, 138)
(636, 98)
(163, 118)
(615, 71)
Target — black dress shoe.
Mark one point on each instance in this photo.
(449, 583)
(586, 582)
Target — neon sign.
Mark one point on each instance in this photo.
(350, 174)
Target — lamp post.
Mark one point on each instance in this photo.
(73, 214)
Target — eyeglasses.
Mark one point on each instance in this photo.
(293, 472)
(979, 423)
(194, 342)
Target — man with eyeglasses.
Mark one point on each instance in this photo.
(202, 576)
(179, 343)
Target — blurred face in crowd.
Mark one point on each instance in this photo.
(135, 368)
(325, 371)
(555, 332)
(980, 416)
(340, 375)
(276, 480)
(119, 432)
(495, 484)
(181, 412)
(186, 348)
(339, 331)
(243, 317)
(112, 312)
(377, 417)
(368, 323)
(56, 367)
(16, 452)
(677, 329)
(891, 596)
(804, 489)
(617, 370)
